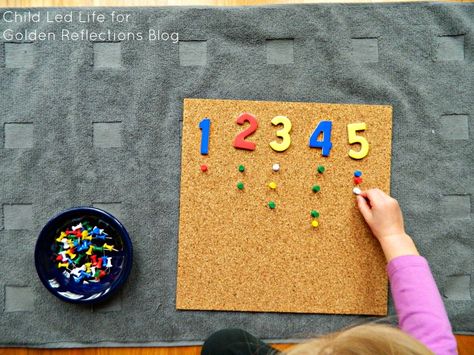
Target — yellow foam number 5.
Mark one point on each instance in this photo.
(352, 129)
(283, 133)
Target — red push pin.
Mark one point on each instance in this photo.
(357, 180)
(102, 273)
(94, 260)
(203, 168)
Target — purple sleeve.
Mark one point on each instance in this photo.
(420, 310)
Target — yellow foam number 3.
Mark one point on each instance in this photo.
(352, 129)
(283, 133)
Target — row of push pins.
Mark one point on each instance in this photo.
(357, 181)
(316, 188)
(76, 249)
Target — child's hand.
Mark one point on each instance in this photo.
(384, 217)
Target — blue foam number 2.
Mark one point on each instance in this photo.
(325, 128)
(205, 127)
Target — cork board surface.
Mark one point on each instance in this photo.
(237, 254)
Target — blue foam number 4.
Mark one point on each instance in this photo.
(325, 128)
(205, 127)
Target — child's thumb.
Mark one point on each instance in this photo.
(364, 208)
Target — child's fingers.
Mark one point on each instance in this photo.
(364, 207)
(375, 197)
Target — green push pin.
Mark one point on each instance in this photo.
(314, 214)
(96, 248)
(240, 185)
(241, 168)
(316, 188)
(321, 169)
(272, 205)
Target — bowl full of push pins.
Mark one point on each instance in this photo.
(83, 255)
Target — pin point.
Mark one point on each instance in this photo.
(272, 185)
(276, 167)
(314, 223)
(203, 168)
(271, 205)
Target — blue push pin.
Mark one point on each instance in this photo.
(357, 173)
(97, 231)
(100, 237)
(104, 261)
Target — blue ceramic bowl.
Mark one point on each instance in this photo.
(59, 280)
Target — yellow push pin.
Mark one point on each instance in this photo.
(315, 223)
(88, 267)
(272, 185)
(89, 252)
(109, 247)
(61, 236)
(63, 265)
(71, 254)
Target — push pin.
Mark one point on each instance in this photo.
(60, 265)
(314, 223)
(241, 168)
(272, 185)
(356, 191)
(104, 261)
(79, 226)
(99, 263)
(321, 169)
(316, 188)
(357, 180)
(78, 259)
(109, 262)
(88, 267)
(71, 253)
(357, 173)
(97, 231)
(65, 243)
(62, 235)
(276, 167)
(240, 185)
(94, 259)
(89, 252)
(96, 248)
(271, 205)
(203, 168)
(314, 214)
(100, 237)
(85, 235)
(109, 247)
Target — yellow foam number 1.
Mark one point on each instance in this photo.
(283, 133)
(352, 129)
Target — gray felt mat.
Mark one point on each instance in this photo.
(98, 123)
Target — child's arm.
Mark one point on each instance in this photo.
(420, 310)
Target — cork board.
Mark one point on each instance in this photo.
(237, 254)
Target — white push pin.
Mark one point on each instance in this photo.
(356, 191)
(79, 226)
(109, 261)
(65, 243)
(276, 167)
(76, 271)
(63, 255)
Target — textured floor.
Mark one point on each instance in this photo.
(98, 123)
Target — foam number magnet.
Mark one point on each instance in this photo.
(239, 141)
(324, 128)
(205, 127)
(352, 129)
(283, 133)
